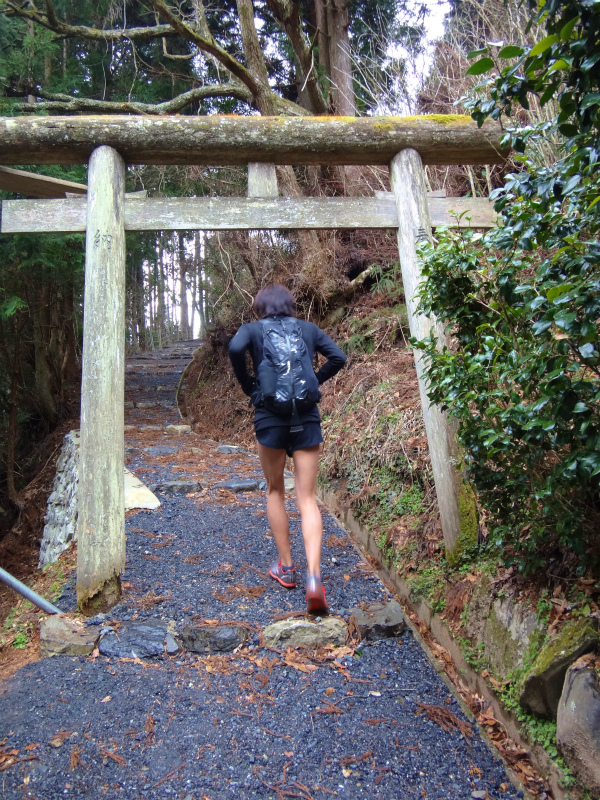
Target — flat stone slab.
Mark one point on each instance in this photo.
(136, 494)
(147, 404)
(61, 636)
(179, 486)
(228, 449)
(178, 429)
(161, 450)
(139, 640)
(289, 484)
(150, 427)
(302, 633)
(380, 621)
(240, 484)
(217, 639)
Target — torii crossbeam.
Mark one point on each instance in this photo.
(107, 144)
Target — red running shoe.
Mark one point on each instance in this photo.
(286, 577)
(315, 596)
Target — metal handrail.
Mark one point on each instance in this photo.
(28, 593)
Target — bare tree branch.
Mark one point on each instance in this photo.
(287, 13)
(51, 21)
(208, 45)
(58, 102)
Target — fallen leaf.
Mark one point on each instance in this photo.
(346, 577)
(347, 772)
(58, 739)
(75, 758)
(288, 753)
(31, 746)
(329, 691)
(107, 699)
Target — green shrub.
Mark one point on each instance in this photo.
(523, 302)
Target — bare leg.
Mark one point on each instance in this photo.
(273, 462)
(306, 464)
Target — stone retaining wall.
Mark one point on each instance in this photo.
(61, 513)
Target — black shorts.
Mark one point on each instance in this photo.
(282, 438)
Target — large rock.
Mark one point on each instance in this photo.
(510, 629)
(302, 633)
(218, 639)
(139, 640)
(240, 484)
(228, 449)
(161, 450)
(542, 687)
(578, 725)
(178, 429)
(178, 486)
(61, 636)
(380, 620)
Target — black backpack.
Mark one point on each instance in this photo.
(286, 377)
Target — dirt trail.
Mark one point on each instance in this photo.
(360, 720)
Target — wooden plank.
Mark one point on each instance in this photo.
(231, 213)
(101, 516)
(462, 212)
(407, 177)
(262, 180)
(216, 140)
(33, 185)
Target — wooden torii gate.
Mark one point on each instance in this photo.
(107, 144)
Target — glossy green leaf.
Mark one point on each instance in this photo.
(556, 291)
(559, 64)
(481, 66)
(567, 29)
(511, 51)
(591, 99)
(544, 45)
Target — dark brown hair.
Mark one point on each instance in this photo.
(275, 299)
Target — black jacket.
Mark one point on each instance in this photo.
(249, 338)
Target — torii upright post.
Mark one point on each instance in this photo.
(456, 499)
(101, 516)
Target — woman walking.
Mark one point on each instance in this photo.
(284, 392)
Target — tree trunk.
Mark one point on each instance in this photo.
(140, 311)
(321, 20)
(13, 403)
(70, 370)
(183, 301)
(340, 61)
(160, 288)
(45, 378)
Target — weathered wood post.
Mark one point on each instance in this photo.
(262, 180)
(101, 516)
(456, 499)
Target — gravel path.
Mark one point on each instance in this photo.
(257, 722)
